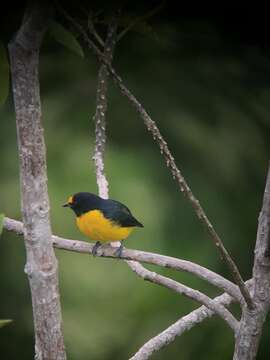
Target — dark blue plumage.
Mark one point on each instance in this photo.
(111, 209)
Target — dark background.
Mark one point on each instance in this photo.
(203, 75)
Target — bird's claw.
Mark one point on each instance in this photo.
(119, 250)
(95, 248)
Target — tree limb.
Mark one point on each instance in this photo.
(196, 295)
(108, 251)
(41, 264)
(140, 256)
(170, 162)
(182, 325)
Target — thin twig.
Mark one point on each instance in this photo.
(140, 256)
(170, 162)
(93, 31)
(169, 159)
(139, 19)
(101, 108)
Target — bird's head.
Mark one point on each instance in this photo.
(83, 202)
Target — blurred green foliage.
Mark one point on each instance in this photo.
(210, 99)
(4, 74)
(65, 37)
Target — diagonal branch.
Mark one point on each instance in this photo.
(141, 256)
(190, 293)
(93, 31)
(139, 19)
(182, 325)
(169, 159)
(170, 162)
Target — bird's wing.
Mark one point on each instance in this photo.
(120, 214)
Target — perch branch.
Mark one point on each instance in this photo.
(108, 251)
(140, 256)
(170, 162)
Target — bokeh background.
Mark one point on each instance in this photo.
(205, 81)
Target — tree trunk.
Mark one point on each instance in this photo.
(41, 264)
(248, 338)
(251, 324)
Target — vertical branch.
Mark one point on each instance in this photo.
(101, 108)
(247, 341)
(261, 269)
(41, 264)
(100, 118)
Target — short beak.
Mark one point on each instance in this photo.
(66, 205)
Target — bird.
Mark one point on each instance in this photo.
(102, 220)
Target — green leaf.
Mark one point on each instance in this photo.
(5, 322)
(1, 223)
(4, 75)
(65, 37)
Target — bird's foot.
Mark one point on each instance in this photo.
(119, 250)
(95, 248)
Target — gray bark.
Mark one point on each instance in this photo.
(139, 256)
(41, 263)
(141, 271)
(251, 324)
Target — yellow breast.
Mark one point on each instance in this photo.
(94, 225)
